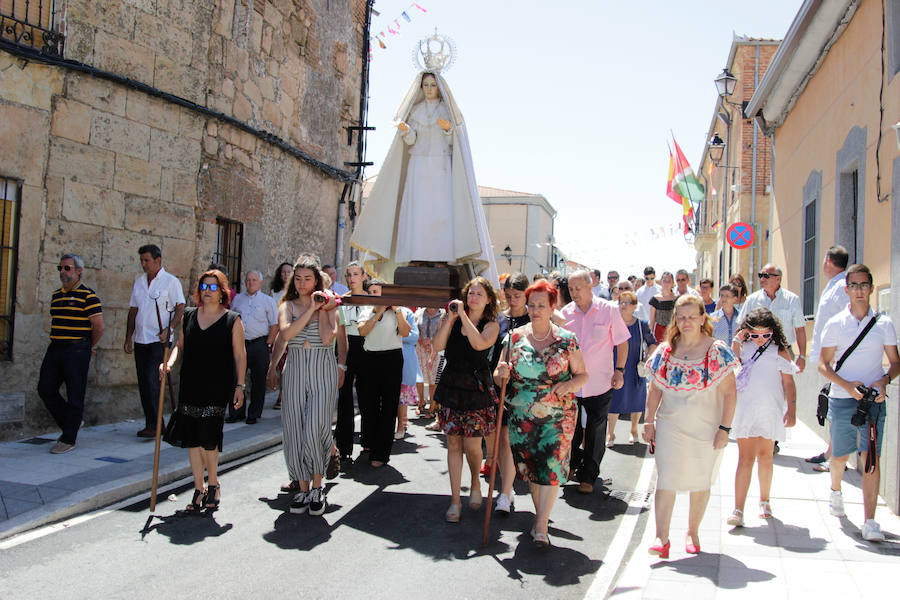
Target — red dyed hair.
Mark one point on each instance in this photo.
(221, 280)
(542, 285)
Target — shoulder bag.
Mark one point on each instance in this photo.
(822, 408)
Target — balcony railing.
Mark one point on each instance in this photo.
(31, 23)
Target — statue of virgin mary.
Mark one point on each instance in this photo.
(424, 206)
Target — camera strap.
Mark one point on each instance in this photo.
(856, 342)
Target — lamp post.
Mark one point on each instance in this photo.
(725, 84)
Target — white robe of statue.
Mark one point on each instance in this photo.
(425, 205)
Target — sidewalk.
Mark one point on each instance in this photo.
(109, 463)
(802, 552)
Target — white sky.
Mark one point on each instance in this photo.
(574, 100)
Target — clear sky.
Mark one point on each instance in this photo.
(575, 100)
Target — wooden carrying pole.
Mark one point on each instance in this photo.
(168, 379)
(159, 412)
(495, 451)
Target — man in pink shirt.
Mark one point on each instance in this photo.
(599, 327)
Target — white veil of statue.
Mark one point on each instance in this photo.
(390, 233)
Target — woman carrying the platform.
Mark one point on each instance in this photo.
(465, 390)
(308, 325)
(212, 376)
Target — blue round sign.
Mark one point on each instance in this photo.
(739, 236)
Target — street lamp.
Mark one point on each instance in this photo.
(716, 148)
(507, 254)
(725, 83)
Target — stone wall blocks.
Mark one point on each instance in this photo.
(170, 150)
(114, 287)
(137, 176)
(123, 57)
(266, 87)
(34, 86)
(85, 203)
(31, 222)
(251, 91)
(103, 95)
(71, 120)
(23, 135)
(61, 237)
(116, 18)
(120, 248)
(228, 87)
(55, 187)
(165, 37)
(151, 217)
(256, 29)
(179, 79)
(272, 113)
(242, 157)
(210, 145)
(80, 162)
(224, 22)
(120, 135)
(243, 110)
(184, 190)
(190, 124)
(179, 255)
(151, 111)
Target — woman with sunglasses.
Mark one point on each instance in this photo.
(212, 376)
(766, 404)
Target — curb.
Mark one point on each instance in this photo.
(110, 492)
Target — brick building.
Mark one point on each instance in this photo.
(738, 188)
(212, 128)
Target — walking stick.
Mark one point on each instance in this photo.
(495, 451)
(168, 380)
(159, 414)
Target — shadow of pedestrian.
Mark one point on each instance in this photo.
(603, 503)
(776, 534)
(184, 529)
(558, 566)
(722, 570)
(889, 547)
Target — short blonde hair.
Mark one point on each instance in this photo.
(673, 334)
(628, 295)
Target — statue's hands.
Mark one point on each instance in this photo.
(444, 124)
(403, 127)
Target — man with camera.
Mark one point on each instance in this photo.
(858, 338)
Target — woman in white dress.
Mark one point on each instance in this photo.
(766, 404)
(690, 405)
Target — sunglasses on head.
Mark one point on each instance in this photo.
(767, 275)
(65, 268)
(756, 336)
(209, 286)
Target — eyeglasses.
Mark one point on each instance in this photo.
(767, 275)
(626, 303)
(681, 280)
(209, 286)
(756, 336)
(62, 268)
(864, 286)
(649, 277)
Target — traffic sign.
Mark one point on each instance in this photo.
(739, 236)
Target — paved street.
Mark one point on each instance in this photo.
(383, 535)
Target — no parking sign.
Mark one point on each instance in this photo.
(739, 236)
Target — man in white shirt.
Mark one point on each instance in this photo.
(645, 292)
(785, 304)
(154, 294)
(862, 367)
(260, 316)
(336, 286)
(598, 288)
(683, 284)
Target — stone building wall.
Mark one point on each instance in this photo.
(106, 167)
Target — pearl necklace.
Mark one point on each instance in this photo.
(537, 339)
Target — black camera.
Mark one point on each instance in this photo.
(452, 307)
(861, 416)
(319, 297)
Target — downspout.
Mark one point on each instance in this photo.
(725, 116)
(755, 248)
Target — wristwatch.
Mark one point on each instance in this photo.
(725, 429)
(620, 369)
(243, 386)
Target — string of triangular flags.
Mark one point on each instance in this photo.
(393, 28)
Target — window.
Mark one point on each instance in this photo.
(11, 199)
(849, 213)
(810, 258)
(229, 249)
(32, 23)
(892, 22)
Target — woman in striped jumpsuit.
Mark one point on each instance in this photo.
(307, 326)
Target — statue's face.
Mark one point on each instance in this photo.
(430, 87)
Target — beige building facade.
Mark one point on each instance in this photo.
(829, 104)
(523, 224)
(215, 129)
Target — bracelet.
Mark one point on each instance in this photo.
(725, 429)
(620, 369)
(342, 367)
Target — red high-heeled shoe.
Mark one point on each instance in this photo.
(660, 550)
(689, 546)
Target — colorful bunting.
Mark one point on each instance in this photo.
(394, 27)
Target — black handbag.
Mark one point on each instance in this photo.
(822, 408)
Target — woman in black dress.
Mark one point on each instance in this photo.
(212, 375)
(466, 390)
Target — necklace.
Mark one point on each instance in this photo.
(541, 339)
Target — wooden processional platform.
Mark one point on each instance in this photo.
(432, 286)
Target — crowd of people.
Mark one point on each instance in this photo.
(572, 354)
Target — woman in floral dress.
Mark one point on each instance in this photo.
(545, 368)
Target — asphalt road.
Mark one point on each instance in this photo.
(382, 536)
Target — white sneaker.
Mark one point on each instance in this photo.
(504, 503)
(836, 504)
(871, 531)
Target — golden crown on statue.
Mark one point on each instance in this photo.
(435, 53)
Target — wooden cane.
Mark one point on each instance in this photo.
(159, 419)
(495, 452)
(159, 322)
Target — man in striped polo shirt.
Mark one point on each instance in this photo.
(76, 325)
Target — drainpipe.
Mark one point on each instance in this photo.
(755, 248)
(341, 226)
(725, 116)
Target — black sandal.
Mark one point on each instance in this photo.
(195, 507)
(212, 503)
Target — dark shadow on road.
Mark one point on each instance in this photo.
(600, 504)
(889, 547)
(731, 574)
(558, 566)
(184, 529)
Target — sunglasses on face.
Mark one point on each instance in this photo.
(65, 268)
(767, 275)
(756, 336)
(209, 286)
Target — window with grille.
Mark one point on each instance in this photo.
(32, 23)
(11, 200)
(810, 258)
(229, 249)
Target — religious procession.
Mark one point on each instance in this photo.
(320, 337)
